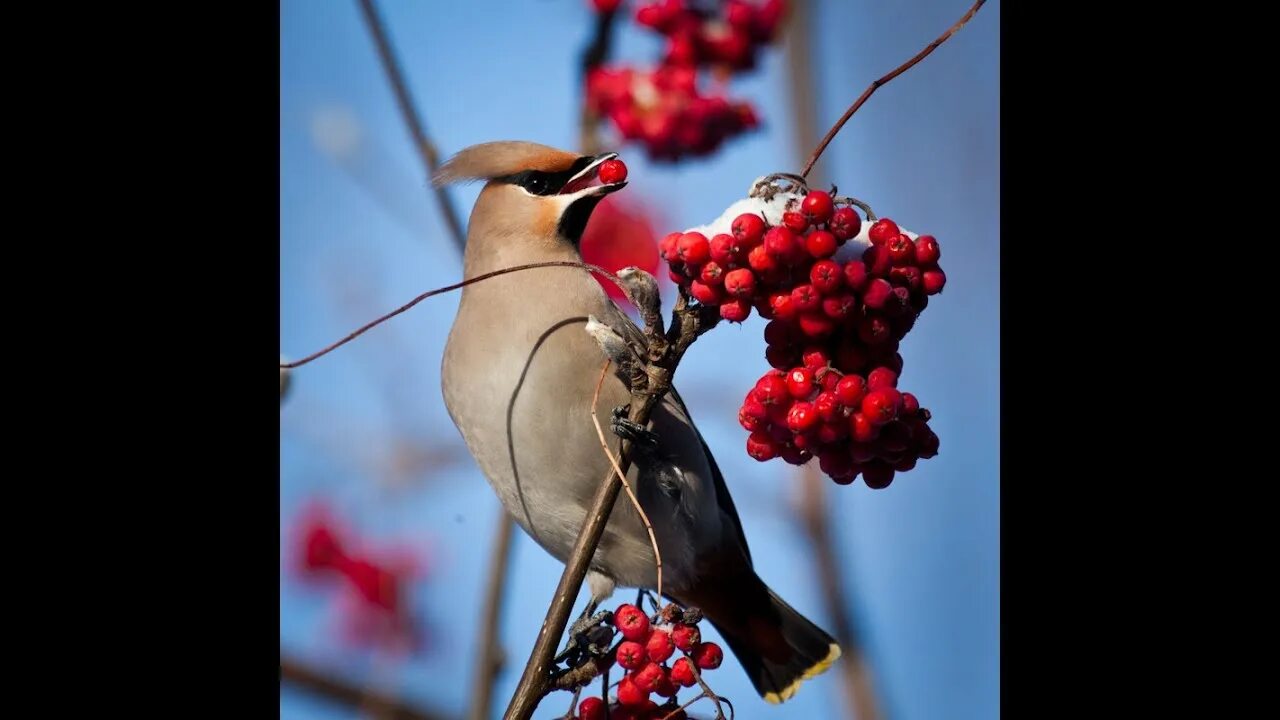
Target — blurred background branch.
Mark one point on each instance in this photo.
(427, 149)
(334, 688)
(489, 655)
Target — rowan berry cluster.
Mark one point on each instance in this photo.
(645, 655)
(727, 38)
(833, 335)
(663, 108)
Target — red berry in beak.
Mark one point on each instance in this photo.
(612, 171)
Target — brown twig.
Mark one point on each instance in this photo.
(817, 153)
(707, 692)
(427, 149)
(448, 288)
(334, 688)
(811, 512)
(688, 323)
(594, 55)
(635, 501)
(489, 658)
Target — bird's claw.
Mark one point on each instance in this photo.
(630, 430)
(589, 637)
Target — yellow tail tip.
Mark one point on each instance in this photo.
(789, 691)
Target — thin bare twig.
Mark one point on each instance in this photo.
(449, 288)
(635, 501)
(489, 658)
(817, 153)
(707, 692)
(335, 688)
(427, 149)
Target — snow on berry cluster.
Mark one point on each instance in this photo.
(663, 107)
(833, 333)
(645, 656)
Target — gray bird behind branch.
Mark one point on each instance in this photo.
(518, 377)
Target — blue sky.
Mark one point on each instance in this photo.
(359, 235)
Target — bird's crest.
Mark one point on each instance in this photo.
(497, 159)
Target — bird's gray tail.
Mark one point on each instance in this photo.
(778, 647)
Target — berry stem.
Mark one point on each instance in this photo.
(866, 209)
(875, 85)
(449, 288)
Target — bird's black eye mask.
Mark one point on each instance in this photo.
(537, 182)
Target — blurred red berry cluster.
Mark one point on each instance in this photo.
(620, 233)
(644, 654)
(374, 606)
(833, 335)
(663, 107)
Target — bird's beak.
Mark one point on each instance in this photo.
(586, 182)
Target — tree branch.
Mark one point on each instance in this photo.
(426, 149)
(622, 476)
(489, 659)
(334, 688)
(688, 323)
(817, 153)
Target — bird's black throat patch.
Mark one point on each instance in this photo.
(573, 221)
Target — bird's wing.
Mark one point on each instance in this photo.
(722, 490)
(623, 324)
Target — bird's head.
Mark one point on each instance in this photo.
(532, 192)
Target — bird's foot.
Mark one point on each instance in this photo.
(589, 637)
(630, 430)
